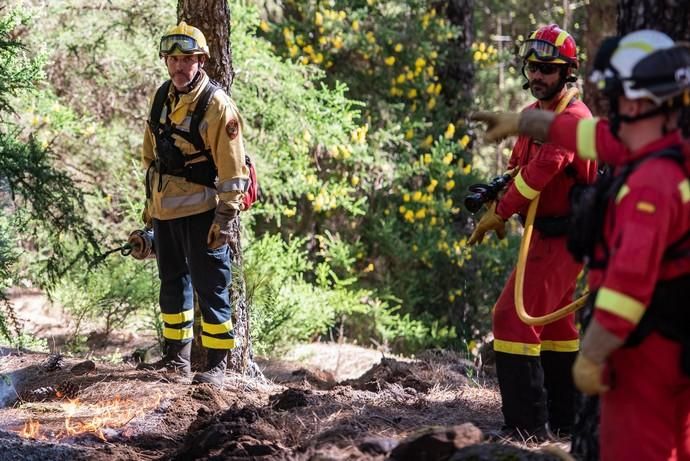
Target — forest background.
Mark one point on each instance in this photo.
(355, 114)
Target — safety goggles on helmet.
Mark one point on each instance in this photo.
(184, 43)
(542, 50)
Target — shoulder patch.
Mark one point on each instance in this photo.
(232, 128)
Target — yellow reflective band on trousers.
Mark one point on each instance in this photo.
(620, 304)
(216, 328)
(572, 345)
(178, 334)
(511, 347)
(181, 317)
(587, 138)
(524, 188)
(216, 343)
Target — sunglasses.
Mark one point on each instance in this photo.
(183, 43)
(543, 67)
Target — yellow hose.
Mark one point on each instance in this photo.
(522, 257)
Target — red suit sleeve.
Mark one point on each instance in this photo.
(590, 138)
(642, 221)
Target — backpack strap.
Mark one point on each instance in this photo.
(199, 112)
(157, 106)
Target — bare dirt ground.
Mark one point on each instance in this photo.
(321, 402)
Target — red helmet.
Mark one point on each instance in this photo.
(550, 44)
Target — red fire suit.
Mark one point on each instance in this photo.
(550, 272)
(550, 276)
(646, 414)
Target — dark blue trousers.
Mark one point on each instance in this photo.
(185, 265)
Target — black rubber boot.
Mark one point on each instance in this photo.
(176, 359)
(521, 382)
(560, 390)
(216, 363)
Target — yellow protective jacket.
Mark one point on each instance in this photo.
(221, 130)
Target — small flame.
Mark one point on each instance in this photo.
(30, 430)
(81, 417)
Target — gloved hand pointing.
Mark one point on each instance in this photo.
(499, 124)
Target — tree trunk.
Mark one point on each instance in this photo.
(457, 76)
(669, 16)
(212, 17)
(601, 23)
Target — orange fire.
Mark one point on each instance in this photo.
(81, 417)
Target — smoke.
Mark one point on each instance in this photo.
(8, 394)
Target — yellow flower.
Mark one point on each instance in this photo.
(354, 180)
(369, 268)
(398, 47)
(287, 35)
(482, 47)
(323, 40)
(448, 158)
(263, 25)
(310, 197)
(437, 89)
(345, 152)
(409, 134)
(299, 40)
(420, 214)
(371, 2)
(433, 221)
(318, 58)
(432, 186)
(450, 173)
(477, 56)
(433, 55)
(428, 141)
(318, 18)
(409, 216)
(450, 132)
(412, 93)
(406, 197)
(400, 78)
(420, 62)
(306, 135)
(416, 196)
(451, 297)
(450, 185)
(355, 25)
(290, 212)
(390, 60)
(304, 60)
(371, 38)
(427, 159)
(337, 42)
(402, 209)
(293, 50)
(467, 168)
(431, 104)
(309, 49)
(464, 141)
(342, 15)
(430, 88)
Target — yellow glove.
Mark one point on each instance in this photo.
(499, 124)
(596, 346)
(490, 221)
(587, 375)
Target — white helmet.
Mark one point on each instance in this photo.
(648, 64)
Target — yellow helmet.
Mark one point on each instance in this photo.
(183, 39)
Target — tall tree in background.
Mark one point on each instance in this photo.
(600, 23)
(212, 17)
(456, 75)
(669, 16)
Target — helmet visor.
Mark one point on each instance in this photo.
(541, 49)
(183, 43)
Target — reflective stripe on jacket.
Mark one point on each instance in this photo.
(221, 130)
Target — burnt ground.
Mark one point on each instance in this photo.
(320, 402)
(91, 410)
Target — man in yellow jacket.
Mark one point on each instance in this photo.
(196, 178)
